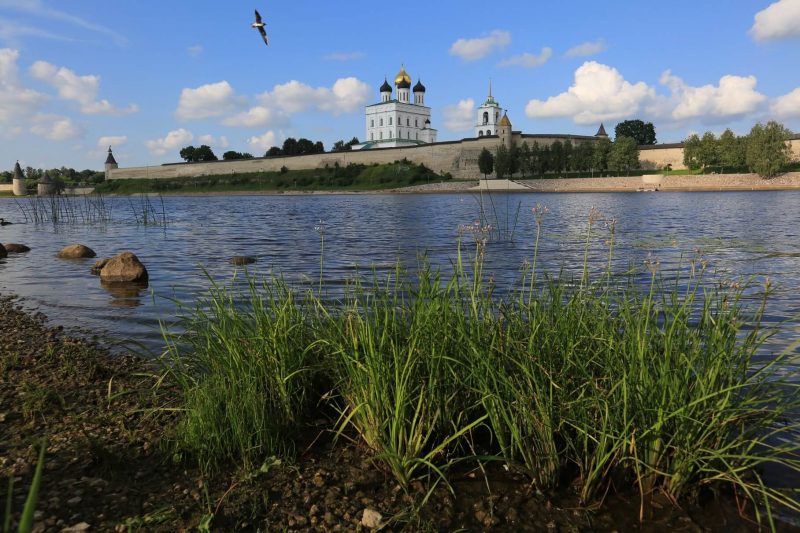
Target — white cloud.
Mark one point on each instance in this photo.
(787, 105)
(461, 116)
(780, 20)
(81, 89)
(210, 100)
(735, 96)
(257, 116)
(589, 48)
(214, 142)
(346, 95)
(262, 143)
(528, 60)
(112, 140)
(16, 102)
(345, 56)
(174, 140)
(195, 50)
(478, 48)
(55, 127)
(599, 93)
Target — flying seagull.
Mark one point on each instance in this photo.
(260, 27)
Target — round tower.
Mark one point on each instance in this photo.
(111, 163)
(386, 91)
(46, 185)
(504, 130)
(403, 83)
(419, 93)
(18, 182)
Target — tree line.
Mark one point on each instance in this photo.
(765, 150)
(560, 157)
(63, 175)
(291, 146)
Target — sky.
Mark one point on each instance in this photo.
(150, 77)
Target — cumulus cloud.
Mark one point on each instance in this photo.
(111, 140)
(55, 127)
(220, 142)
(210, 100)
(528, 60)
(81, 89)
(345, 56)
(262, 143)
(599, 93)
(589, 48)
(461, 116)
(16, 101)
(780, 20)
(480, 47)
(174, 140)
(788, 105)
(345, 96)
(257, 116)
(735, 96)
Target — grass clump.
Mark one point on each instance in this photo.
(651, 386)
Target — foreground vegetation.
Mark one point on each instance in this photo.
(353, 177)
(583, 382)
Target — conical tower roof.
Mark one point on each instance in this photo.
(504, 121)
(110, 159)
(601, 132)
(18, 172)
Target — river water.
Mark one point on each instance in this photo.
(754, 235)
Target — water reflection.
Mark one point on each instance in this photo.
(126, 294)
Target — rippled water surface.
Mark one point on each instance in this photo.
(741, 234)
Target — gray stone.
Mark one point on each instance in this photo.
(15, 248)
(124, 267)
(76, 251)
(98, 266)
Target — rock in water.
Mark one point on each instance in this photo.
(124, 267)
(371, 519)
(3, 252)
(242, 260)
(15, 248)
(98, 266)
(75, 251)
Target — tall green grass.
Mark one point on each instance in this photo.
(653, 387)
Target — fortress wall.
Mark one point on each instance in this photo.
(459, 158)
(659, 157)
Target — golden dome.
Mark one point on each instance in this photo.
(402, 76)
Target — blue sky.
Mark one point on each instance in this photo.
(151, 77)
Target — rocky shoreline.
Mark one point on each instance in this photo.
(109, 467)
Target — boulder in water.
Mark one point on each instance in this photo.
(242, 260)
(15, 248)
(124, 267)
(76, 251)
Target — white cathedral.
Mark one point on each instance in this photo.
(398, 121)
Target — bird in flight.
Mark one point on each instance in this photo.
(260, 27)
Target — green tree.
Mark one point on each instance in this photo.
(768, 150)
(305, 146)
(731, 150)
(502, 162)
(525, 166)
(641, 132)
(290, 146)
(204, 153)
(319, 148)
(231, 155)
(273, 151)
(557, 156)
(569, 151)
(709, 150)
(485, 162)
(582, 156)
(691, 152)
(187, 154)
(602, 150)
(624, 154)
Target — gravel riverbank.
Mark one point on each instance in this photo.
(106, 420)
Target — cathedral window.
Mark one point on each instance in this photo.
(408, 121)
(371, 136)
(390, 121)
(486, 118)
(416, 123)
(372, 123)
(381, 122)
